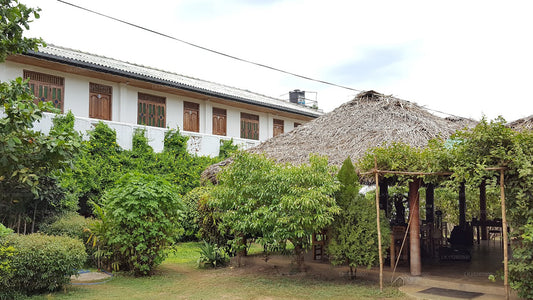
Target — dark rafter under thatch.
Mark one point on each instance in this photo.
(523, 124)
(370, 120)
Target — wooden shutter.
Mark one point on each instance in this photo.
(100, 101)
(278, 127)
(191, 116)
(219, 121)
(249, 126)
(151, 110)
(46, 87)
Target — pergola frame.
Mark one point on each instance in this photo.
(414, 206)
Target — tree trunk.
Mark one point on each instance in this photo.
(353, 273)
(299, 257)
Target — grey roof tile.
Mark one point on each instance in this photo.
(105, 64)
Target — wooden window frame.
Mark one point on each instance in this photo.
(220, 114)
(47, 88)
(248, 130)
(189, 109)
(151, 110)
(278, 127)
(97, 89)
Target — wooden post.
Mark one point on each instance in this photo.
(379, 227)
(504, 236)
(414, 231)
(430, 203)
(483, 209)
(462, 205)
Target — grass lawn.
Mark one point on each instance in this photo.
(179, 278)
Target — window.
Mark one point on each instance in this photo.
(296, 124)
(219, 121)
(47, 87)
(278, 127)
(191, 116)
(151, 110)
(249, 126)
(100, 101)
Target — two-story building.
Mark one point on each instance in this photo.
(128, 96)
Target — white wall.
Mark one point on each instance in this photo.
(124, 107)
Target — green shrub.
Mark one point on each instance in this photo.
(175, 143)
(144, 213)
(69, 224)
(190, 218)
(227, 148)
(211, 256)
(41, 263)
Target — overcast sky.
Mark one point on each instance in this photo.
(467, 58)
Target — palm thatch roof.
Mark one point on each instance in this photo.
(371, 119)
(522, 124)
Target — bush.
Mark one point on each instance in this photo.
(143, 211)
(41, 263)
(211, 256)
(69, 224)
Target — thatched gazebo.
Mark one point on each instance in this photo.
(370, 120)
(522, 124)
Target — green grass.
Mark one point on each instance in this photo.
(179, 278)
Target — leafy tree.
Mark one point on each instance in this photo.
(144, 212)
(352, 237)
(258, 198)
(14, 18)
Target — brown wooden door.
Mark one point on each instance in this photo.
(219, 121)
(278, 127)
(100, 101)
(191, 116)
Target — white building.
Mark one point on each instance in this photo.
(128, 96)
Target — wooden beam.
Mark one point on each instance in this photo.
(414, 231)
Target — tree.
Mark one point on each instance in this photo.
(258, 198)
(14, 18)
(352, 238)
(144, 215)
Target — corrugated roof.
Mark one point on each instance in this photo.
(130, 70)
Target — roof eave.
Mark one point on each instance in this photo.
(112, 71)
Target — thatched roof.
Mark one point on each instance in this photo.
(522, 124)
(371, 119)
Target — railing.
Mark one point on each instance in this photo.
(199, 143)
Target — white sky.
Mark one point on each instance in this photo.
(467, 58)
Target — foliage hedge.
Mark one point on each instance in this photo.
(40, 263)
(102, 162)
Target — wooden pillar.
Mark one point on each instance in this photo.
(483, 209)
(414, 230)
(384, 196)
(504, 236)
(378, 224)
(462, 205)
(430, 203)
